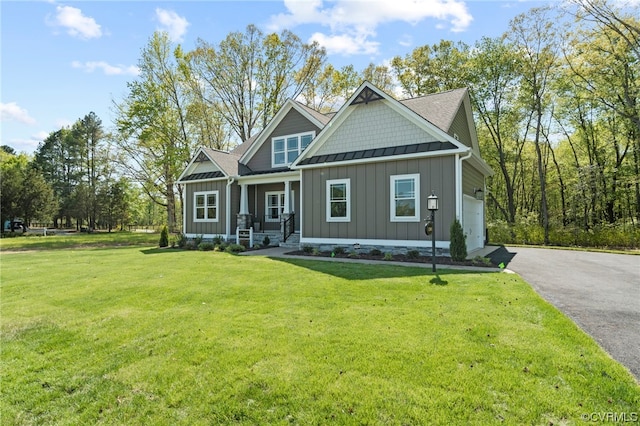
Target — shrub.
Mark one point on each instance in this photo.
(307, 249)
(375, 252)
(164, 237)
(234, 248)
(181, 241)
(413, 254)
(353, 255)
(206, 246)
(458, 247)
(339, 250)
(266, 241)
(388, 256)
(315, 252)
(217, 240)
(197, 240)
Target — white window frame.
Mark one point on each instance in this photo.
(206, 207)
(280, 206)
(416, 198)
(347, 183)
(285, 142)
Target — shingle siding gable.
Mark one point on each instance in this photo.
(371, 126)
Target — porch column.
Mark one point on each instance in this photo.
(287, 197)
(244, 199)
(244, 218)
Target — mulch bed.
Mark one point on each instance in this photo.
(440, 260)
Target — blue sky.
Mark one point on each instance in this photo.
(62, 60)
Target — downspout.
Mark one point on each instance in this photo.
(459, 192)
(230, 181)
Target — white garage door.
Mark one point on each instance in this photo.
(473, 223)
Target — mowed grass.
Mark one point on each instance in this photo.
(133, 335)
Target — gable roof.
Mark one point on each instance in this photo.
(318, 119)
(226, 164)
(439, 108)
(367, 93)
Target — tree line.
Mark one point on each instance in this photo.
(555, 98)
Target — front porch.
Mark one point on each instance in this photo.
(269, 203)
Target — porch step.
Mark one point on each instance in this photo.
(292, 242)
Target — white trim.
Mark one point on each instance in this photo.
(207, 236)
(347, 183)
(285, 141)
(206, 206)
(279, 177)
(346, 109)
(186, 182)
(440, 153)
(392, 198)
(375, 242)
(275, 121)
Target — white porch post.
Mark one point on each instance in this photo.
(287, 197)
(244, 199)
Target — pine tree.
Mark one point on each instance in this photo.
(458, 247)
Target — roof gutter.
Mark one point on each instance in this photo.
(230, 181)
(458, 170)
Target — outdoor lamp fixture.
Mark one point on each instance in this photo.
(432, 206)
(478, 193)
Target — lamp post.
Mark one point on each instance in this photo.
(432, 206)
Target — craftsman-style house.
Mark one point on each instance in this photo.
(360, 176)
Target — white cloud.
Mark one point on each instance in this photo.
(174, 24)
(356, 21)
(13, 112)
(346, 44)
(107, 68)
(76, 23)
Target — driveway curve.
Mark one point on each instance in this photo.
(600, 292)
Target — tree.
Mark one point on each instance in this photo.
(432, 69)
(24, 193)
(330, 88)
(153, 126)
(534, 36)
(89, 136)
(494, 74)
(251, 75)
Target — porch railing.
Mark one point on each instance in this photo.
(289, 227)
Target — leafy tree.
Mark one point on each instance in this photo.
(24, 193)
(432, 69)
(534, 36)
(152, 124)
(251, 75)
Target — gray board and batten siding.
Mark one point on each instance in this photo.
(293, 123)
(370, 199)
(208, 228)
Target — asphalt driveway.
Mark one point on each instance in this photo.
(599, 291)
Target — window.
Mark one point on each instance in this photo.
(285, 149)
(339, 200)
(274, 206)
(405, 198)
(205, 206)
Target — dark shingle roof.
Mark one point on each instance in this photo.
(439, 108)
(378, 152)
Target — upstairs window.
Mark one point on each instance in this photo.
(405, 198)
(285, 149)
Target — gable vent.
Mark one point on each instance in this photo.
(366, 95)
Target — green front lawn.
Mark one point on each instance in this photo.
(133, 335)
